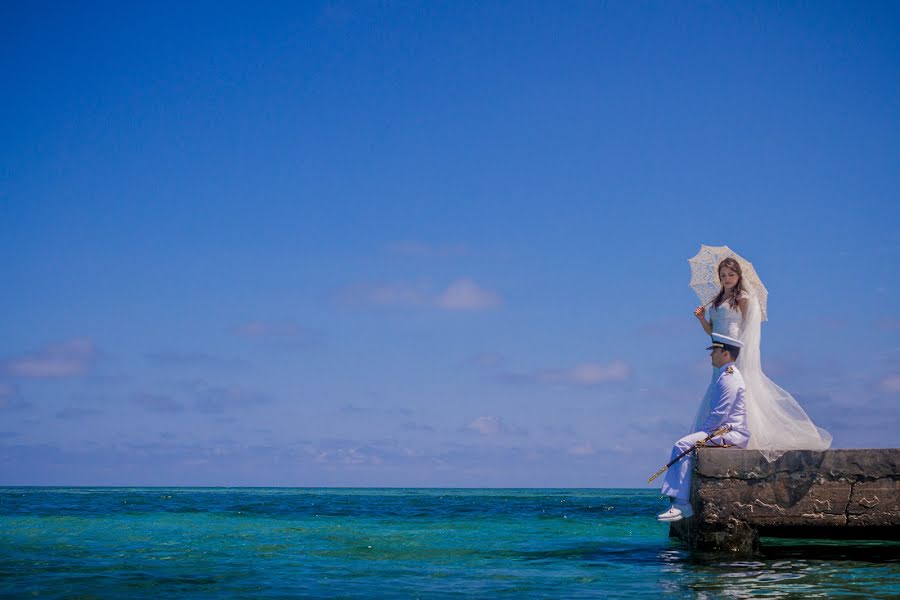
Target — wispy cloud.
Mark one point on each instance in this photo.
(350, 453)
(460, 295)
(588, 373)
(492, 425)
(10, 398)
(218, 399)
(890, 384)
(66, 359)
(584, 449)
(413, 426)
(465, 294)
(582, 375)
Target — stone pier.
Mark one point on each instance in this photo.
(738, 496)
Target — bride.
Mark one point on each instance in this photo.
(776, 421)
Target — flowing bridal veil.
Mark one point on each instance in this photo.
(776, 421)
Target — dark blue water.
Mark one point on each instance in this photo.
(405, 543)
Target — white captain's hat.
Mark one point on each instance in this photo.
(720, 341)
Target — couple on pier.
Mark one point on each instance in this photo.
(742, 407)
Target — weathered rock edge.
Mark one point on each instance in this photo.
(738, 495)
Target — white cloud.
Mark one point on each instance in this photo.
(485, 425)
(347, 456)
(891, 384)
(585, 449)
(490, 425)
(9, 398)
(585, 374)
(218, 399)
(465, 294)
(413, 426)
(350, 453)
(462, 294)
(65, 359)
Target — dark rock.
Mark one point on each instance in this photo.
(738, 495)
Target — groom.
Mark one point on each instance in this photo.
(726, 408)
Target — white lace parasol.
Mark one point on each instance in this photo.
(705, 275)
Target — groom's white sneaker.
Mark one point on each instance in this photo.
(676, 513)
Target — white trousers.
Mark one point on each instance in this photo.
(677, 483)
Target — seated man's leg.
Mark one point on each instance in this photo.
(734, 439)
(677, 483)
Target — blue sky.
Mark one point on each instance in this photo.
(430, 244)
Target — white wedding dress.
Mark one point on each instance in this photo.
(776, 421)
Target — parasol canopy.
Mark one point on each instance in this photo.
(705, 275)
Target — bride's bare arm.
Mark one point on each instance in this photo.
(700, 313)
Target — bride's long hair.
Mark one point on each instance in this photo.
(735, 292)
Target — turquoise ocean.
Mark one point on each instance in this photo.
(403, 543)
